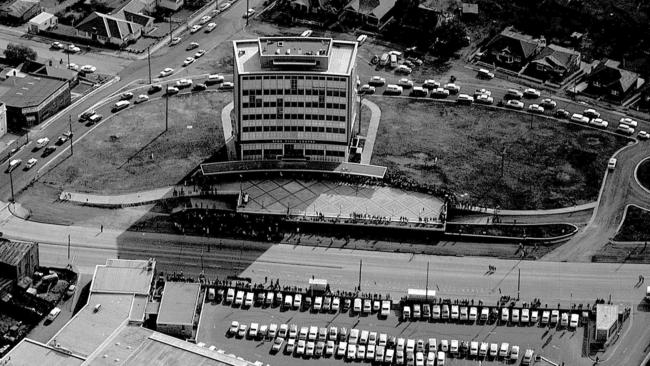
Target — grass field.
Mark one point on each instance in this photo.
(117, 155)
(636, 226)
(493, 156)
(643, 174)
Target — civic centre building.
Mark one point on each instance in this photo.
(294, 98)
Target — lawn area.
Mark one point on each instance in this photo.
(493, 157)
(636, 226)
(643, 174)
(117, 156)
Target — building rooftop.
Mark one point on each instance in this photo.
(12, 252)
(28, 91)
(29, 353)
(40, 18)
(178, 304)
(300, 51)
(123, 276)
(606, 316)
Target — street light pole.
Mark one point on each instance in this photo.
(360, 114)
(71, 148)
(426, 287)
(247, 15)
(360, 265)
(149, 61)
(167, 110)
(11, 182)
(170, 29)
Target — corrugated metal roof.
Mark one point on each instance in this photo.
(29, 91)
(12, 252)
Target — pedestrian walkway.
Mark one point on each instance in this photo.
(371, 135)
(555, 211)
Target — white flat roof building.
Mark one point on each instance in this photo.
(294, 98)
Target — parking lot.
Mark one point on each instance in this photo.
(556, 344)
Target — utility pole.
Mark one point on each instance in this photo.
(247, 15)
(11, 182)
(167, 110)
(359, 114)
(518, 282)
(68, 53)
(202, 258)
(426, 287)
(170, 30)
(149, 61)
(360, 265)
(70, 123)
(68, 247)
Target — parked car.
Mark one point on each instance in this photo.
(440, 93)
(430, 84)
(453, 88)
(485, 74)
(199, 53)
(579, 118)
(195, 28)
(171, 90)
(465, 99)
(30, 163)
(192, 46)
(599, 122)
(227, 85)
(629, 121)
(367, 89)
(531, 93)
(548, 103)
(205, 19)
(562, 114)
(405, 83)
(210, 27)
(188, 61)
(88, 69)
(377, 81)
(166, 72)
(183, 83)
(514, 104)
(154, 88)
(591, 113)
(513, 94)
(306, 33)
(361, 39)
(175, 41)
(141, 99)
(535, 108)
(403, 69)
(643, 135)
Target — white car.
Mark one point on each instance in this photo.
(199, 53)
(482, 92)
(473, 348)
(224, 6)
(205, 19)
(484, 99)
(403, 69)
(227, 85)
(72, 48)
(629, 121)
(166, 72)
(184, 83)
(367, 89)
(440, 93)
(548, 103)
(514, 353)
(599, 122)
(340, 350)
(171, 90)
(531, 93)
(514, 104)
(430, 84)
(210, 27)
(643, 135)
(249, 13)
(453, 88)
(175, 41)
(31, 162)
(188, 61)
(377, 81)
(464, 99)
(57, 45)
(141, 99)
(88, 68)
(485, 74)
(579, 118)
(73, 66)
(405, 83)
(625, 129)
(306, 33)
(195, 28)
(536, 108)
(591, 113)
(362, 38)
(385, 308)
(234, 326)
(574, 320)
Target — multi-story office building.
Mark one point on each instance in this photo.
(295, 98)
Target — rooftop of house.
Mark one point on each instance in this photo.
(123, 276)
(40, 18)
(616, 75)
(377, 8)
(28, 91)
(557, 55)
(526, 43)
(178, 304)
(12, 252)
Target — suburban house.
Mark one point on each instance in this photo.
(122, 26)
(172, 5)
(610, 81)
(512, 50)
(19, 11)
(554, 63)
(372, 13)
(42, 22)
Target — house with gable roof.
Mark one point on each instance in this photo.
(125, 25)
(610, 81)
(554, 63)
(512, 50)
(372, 13)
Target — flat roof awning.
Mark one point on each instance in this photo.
(294, 63)
(256, 166)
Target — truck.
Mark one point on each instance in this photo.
(317, 285)
(420, 295)
(393, 60)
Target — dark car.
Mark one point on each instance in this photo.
(62, 139)
(48, 150)
(561, 113)
(154, 89)
(85, 115)
(464, 347)
(346, 305)
(199, 87)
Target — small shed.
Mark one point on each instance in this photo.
(606, 322)
(42, 22)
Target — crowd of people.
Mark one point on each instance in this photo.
(228, 224)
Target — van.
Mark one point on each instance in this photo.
(528, 357)
(393, 60)
(485, 74)
(120, 105)
(288, 301)
(441, 359)
(383, 61)
(53, 314)
(406, 314)
(42, 142)
(14, 164)
(211, 294)
(611, 164)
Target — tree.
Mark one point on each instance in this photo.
(17, 53)
(452, 36)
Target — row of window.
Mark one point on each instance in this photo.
(295, 116)
(308, 152)
(293, 129)
(295, 91)
(294, 77)
(259, 104)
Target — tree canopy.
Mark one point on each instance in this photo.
(18, 53)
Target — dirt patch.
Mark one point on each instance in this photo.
(493, 157)
(132, 151)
